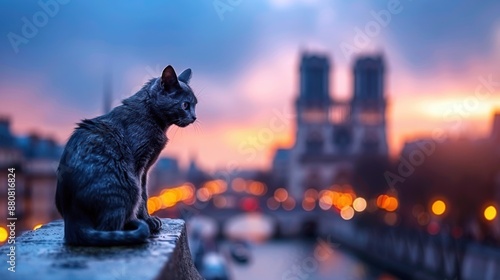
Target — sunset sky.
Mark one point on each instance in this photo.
(245, 65)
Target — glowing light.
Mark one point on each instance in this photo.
(153, 204)
(238, 185)
(289, 204)
(490, 213)
(37, 226)
(203, 194)
(389, 203)
(169, 199)
(308, 204)
(325, 203)
(311, 193)
(280, 195)
(190, 201)
(341, 200)
(257, 188)
(359, 204)
(220, 202)
(3, 234)
(249, 204)
(382, 201)
(187, 191)
(438, 207)
(215, 186)
(347, 213)
(325, 200)
(392, 204)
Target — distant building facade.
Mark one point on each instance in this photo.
(495, 130)
(331, 134)
(281, 168)
(165, 173)
(35, 160)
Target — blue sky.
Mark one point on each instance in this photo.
(244, 63)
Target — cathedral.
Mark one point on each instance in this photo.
(331, 134)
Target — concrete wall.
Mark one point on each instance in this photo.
(42, 254)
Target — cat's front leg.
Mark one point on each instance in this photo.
(153, 222)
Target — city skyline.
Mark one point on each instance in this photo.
(245, 73)
(326, 139)
(286, 140)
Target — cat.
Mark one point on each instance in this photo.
(101, 188)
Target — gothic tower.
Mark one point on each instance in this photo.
(332, 134)
(312, 122)
(368, 106)
(313, 103)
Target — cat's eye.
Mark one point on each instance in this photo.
(185, 105)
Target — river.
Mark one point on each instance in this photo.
(284, 259)
(297, 259)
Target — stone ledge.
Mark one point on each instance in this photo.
(41, 254)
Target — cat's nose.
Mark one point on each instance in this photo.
(194, 119)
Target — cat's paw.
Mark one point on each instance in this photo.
(154, 224)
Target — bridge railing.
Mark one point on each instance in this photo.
(422, 256)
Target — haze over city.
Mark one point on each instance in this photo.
(245, 66)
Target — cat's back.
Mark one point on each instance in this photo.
(97, 139)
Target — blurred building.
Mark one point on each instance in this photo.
(331, 134)
(165, 173)
(35, 160)
(495, 131)
(495, 139)
(280, 168)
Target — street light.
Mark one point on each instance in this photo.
(3, 234)
(438, 207)
(490, 213)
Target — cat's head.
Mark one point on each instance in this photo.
(173, 97)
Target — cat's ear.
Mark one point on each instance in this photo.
(185, 76)
(169, 79)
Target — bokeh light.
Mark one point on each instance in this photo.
(238, 184)
(490, 213)
(3, 234)
(311, 193)
(203, 194)
(257, 188)
(220, 201)
(280, 194)
(289, 204)
(388, 203)
(347, 213)
(325, 202)
(308, 204)
(359, 204)
(438, 207)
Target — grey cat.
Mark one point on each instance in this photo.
(101, 189)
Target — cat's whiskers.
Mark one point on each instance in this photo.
(175, 131)
(197, 127)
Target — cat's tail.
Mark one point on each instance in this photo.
(137, 232)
